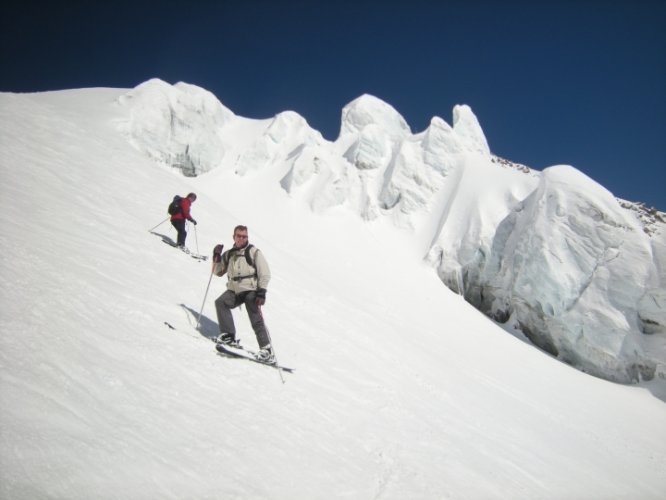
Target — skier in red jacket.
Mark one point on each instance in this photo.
(178, 219)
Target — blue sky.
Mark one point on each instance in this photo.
(579, 82)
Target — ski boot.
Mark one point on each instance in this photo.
(228, 340)
(265, 355)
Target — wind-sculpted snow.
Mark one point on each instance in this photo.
(570, 268)
(178, 125)
(288, 132)
(366, 111)
(551, 254)
(468, 129)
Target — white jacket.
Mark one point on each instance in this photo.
(242, 277)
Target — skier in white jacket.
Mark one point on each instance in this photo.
(248, 275)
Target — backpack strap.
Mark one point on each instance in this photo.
(248, 257)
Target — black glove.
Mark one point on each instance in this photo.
(193, 222)
(217, 253)
(260, 299)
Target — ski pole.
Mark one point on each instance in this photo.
(196, 239)
(268, 334)
(151, 229)
(204, 299)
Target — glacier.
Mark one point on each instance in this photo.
(551, 255)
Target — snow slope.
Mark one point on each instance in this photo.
(401, 390)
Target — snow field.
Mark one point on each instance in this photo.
(401, 389)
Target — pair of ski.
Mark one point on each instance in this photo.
(195, 256)
(242, 353)
(238, 352)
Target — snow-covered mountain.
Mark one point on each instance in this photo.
(551, 254)
(402, 389)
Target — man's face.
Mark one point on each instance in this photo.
(240, 239)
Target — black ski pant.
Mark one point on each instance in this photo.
(179, 224)
(230, 300)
